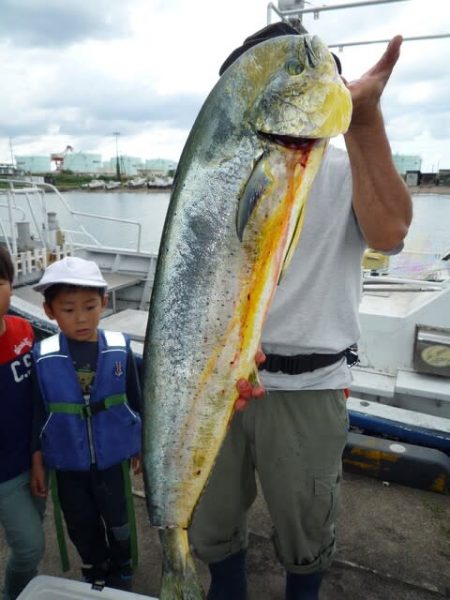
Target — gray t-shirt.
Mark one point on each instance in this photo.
(315, 308)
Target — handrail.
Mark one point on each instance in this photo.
(318, 9)
(300, 11)
(378, 281)
(28, 188)
(416, 38)
(114, 219)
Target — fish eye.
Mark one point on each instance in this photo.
(294, 67)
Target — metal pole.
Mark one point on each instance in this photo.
(11, 151)
(406, 39)
(118, 174)
(318, 9)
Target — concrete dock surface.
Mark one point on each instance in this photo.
(393, 543)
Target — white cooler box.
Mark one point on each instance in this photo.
(44, 587)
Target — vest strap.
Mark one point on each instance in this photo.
(130, 512)
(57, 515)
(85, 411)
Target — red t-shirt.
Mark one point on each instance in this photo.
(15, 397)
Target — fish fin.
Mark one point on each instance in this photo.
(254, 377)
(179, 579)
(293, 243)
(255, 187)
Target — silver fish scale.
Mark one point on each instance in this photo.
(193, 348)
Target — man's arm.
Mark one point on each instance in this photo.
(381, 200)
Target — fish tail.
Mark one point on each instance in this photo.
(179, 577)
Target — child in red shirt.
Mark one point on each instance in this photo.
(20, 513)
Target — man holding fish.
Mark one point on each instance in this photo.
(294, 434)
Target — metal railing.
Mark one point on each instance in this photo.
(35, 196)
(298, 10)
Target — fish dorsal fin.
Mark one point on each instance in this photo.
(254, 189)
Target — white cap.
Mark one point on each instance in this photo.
(74, 271)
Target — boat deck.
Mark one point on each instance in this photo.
(25, 297)
(130, 321)
(393, 543)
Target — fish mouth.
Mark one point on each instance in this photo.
(288, 141)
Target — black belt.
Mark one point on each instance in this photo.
(299, 363)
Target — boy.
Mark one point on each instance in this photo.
(20, 514)
(87, 418)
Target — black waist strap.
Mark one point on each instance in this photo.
(299, 363)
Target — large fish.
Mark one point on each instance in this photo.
(234, 217)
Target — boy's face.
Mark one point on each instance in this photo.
(5, 296)
(77, 313)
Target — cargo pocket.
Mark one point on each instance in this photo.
(323, 511)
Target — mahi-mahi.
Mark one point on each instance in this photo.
(235, 215)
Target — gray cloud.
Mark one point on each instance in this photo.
(102, 111)
(102, 96)
(56, 23)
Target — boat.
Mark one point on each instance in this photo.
(112, 185)
(400, 394)
(96, 184)
(137, 182)
(30, 230)
(163, 183)
(401, 385)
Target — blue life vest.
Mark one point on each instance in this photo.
(104, 431)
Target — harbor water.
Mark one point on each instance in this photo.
(429, 232)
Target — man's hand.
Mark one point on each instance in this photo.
(366, 91)
(248, 391)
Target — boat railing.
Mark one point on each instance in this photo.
(400, 284)
(35, 196)
(105, 218)
(35, 261)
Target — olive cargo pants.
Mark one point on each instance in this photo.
(294, 440)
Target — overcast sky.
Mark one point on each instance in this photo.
(75, 71)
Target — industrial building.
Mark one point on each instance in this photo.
(159, 167)
(407, 162)
(82, 162)
(129, 166)
(33, 164)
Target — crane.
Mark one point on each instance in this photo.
(58, 157)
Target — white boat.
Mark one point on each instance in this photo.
(401, 387)
(33, 236)
(404, 349)
(160, 182)
(96, 184)
(112, 185)
(137, 182)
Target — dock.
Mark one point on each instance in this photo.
(393, 544)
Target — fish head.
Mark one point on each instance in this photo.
(300, 92)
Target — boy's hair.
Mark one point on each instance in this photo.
(6, 265)
(52, 291)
